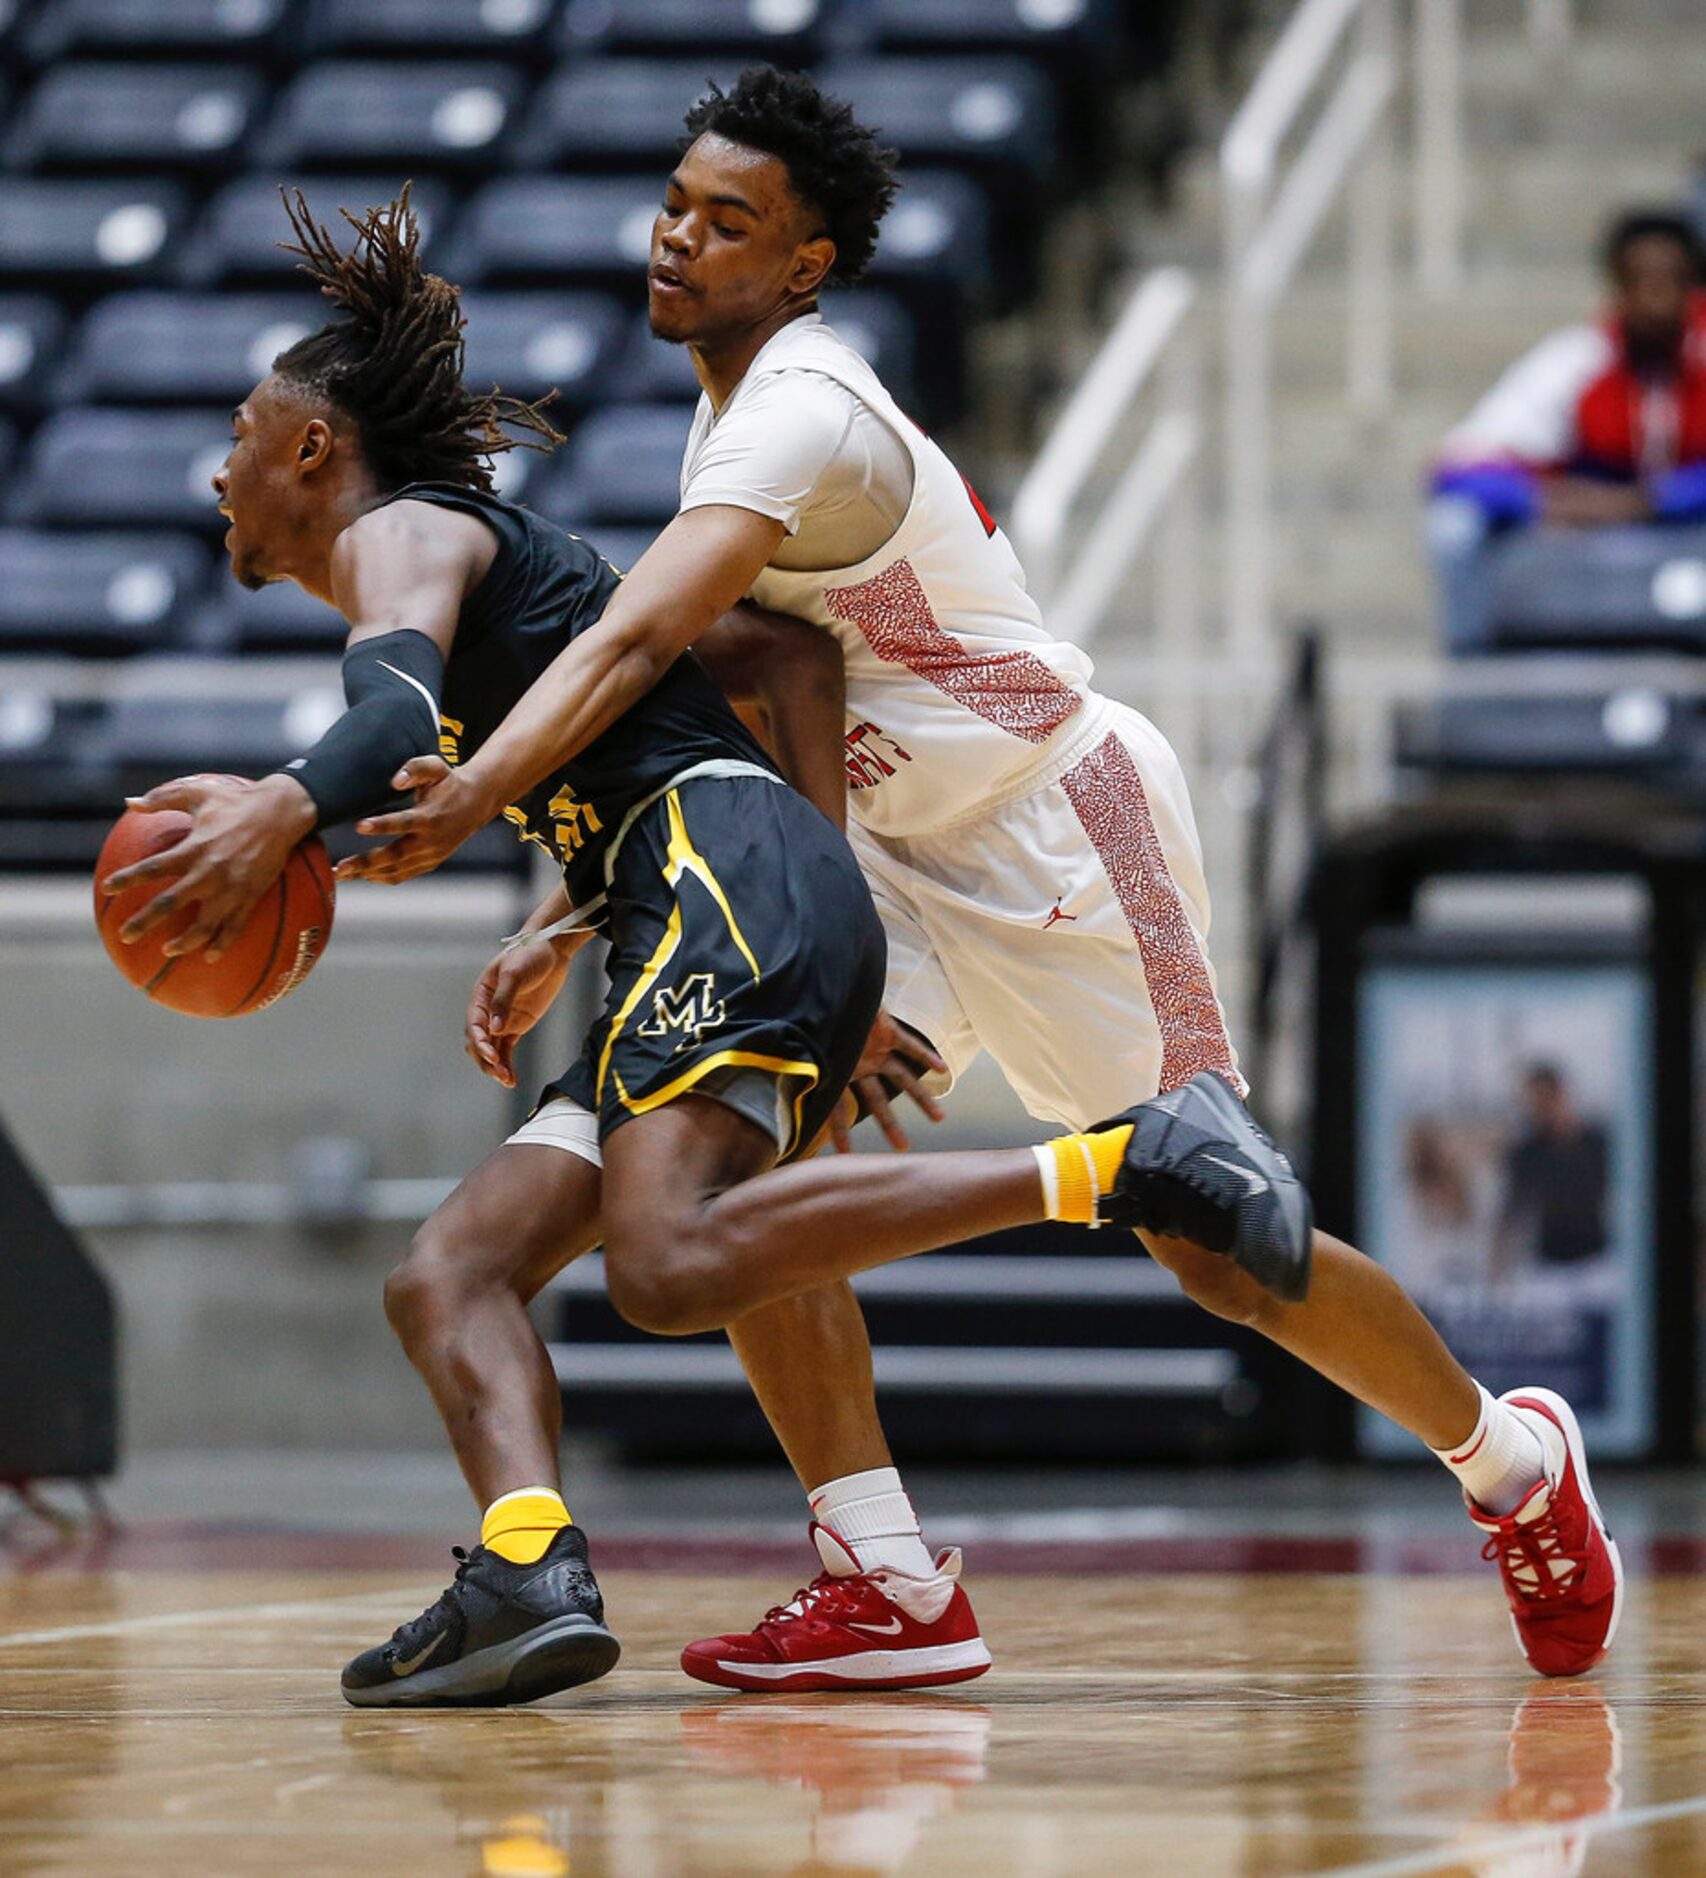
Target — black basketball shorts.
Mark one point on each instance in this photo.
(746, 956)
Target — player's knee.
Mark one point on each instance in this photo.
(1214, 1282)
(423, 1290)
(666, 1292)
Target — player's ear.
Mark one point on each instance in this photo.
(812, 261)
(314, 446)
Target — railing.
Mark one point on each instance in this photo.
(1270, 223)
(1271, 219)
(1152, 339)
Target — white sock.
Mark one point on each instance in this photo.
(872, 1515)
(1501, 1459)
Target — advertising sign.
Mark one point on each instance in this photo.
(1505, 1174)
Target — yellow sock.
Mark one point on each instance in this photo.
(1078, 1169)
(520, 1526)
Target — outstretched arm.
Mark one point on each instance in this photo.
(701, 564)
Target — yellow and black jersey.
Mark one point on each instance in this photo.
(544, 588)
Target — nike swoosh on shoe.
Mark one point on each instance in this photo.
(1253, 1182)
(406, 1666)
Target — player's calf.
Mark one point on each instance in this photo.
(1214, 1283)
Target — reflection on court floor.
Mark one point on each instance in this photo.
(1218, 1723)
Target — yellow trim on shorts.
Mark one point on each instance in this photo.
(681, 857)
(684, 858)
(808, 1074)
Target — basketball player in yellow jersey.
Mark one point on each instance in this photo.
(1016, 829)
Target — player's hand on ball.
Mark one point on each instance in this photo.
(241, 836)
(447, 809)
(510, 996)
(895, 1061)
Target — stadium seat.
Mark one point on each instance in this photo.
(615, 114)
(877, 327)
(66, 29)
(653, 372)
(48, 772)
(935, 256)
(777, 32)
(96, 466)
(177, 348)
(157, 734)
(402, 116)
(1525, 731)
(518, 474)
(13, 20)
(534, 343)
(467, 28)
(1036, 28)
(279, 618)
(32, 330)
(1601, 588)
(238, 239)
(935, 240)
(1074, 41)
(79, 234)
(993, 116)
(158, 118)
(96, 593)
(621, 547)
(622, 466)
(553, 229)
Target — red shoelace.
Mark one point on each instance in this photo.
(1536, 1546)
(822, 1601)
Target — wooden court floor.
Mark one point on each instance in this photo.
(156, 1723)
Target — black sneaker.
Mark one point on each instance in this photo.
(501, 1633)
(1198, 1168)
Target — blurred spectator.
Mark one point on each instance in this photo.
(1598, 426)
(1557, 1176)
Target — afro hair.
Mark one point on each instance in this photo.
(835, 165)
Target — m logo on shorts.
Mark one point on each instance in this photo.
(692, 1007)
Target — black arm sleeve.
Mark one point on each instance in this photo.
(392, 685)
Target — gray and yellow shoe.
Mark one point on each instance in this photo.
(501, 1633)
(1197, 1167)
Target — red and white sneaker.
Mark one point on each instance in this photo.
(1562, 1573)
(881, 1629)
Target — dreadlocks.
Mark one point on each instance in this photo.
(393, 362)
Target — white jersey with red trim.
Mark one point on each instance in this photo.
(956, 694)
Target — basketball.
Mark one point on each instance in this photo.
(274, 953)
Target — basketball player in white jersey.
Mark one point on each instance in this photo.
(1029, 843)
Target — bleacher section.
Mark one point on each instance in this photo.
(142, 291)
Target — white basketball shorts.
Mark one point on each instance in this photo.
(1063, 930)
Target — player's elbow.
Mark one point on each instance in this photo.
(641, 656)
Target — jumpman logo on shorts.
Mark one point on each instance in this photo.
(1055, 915)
